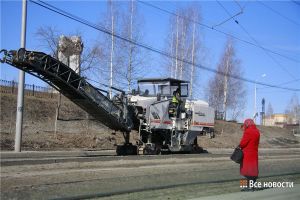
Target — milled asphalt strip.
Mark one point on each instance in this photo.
(215, 157)
(50, 154)
(11, 162)
(88, 153)
(168, 173)
(32, 161)
(98, 195)
(66, 187)
(94, 158)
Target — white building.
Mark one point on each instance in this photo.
(69, 51)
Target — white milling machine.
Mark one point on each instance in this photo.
(162, 132)
(162, 125)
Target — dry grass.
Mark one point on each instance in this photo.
(75, 130)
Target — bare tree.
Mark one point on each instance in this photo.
(270, 110)
(183, 43)
(193, 59)
(293, 110)
(133, 57)
(49, 39)
(126, 61)
(90, 59)
(108, 67)
(225, 93)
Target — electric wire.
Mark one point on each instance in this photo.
(288, 82)
(217, 30)
(284, 83)
(254, 40)
(104, 30)
(278, 13)
(296, 2)
(228, 19)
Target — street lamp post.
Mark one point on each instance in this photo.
(255, 91)
(20, 99)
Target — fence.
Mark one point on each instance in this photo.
(11, 87)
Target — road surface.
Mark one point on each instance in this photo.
(101, 175)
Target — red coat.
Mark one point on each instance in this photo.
(249, 145)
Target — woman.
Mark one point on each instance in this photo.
(249, 145)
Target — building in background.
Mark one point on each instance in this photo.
(279, 120)
(69, 51)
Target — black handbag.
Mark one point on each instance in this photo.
(237, 155)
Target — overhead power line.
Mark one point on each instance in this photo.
(278, 13)
(147, 47)
(284, 83)
(239, 5)
(217, 30)
(296, 2)
(230, 17)
(292, 81)
(254, 40)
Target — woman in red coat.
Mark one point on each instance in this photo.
(249, 144)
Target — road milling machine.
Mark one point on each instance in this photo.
(164, 126)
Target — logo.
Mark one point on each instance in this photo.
(243, 183)
(266, 184)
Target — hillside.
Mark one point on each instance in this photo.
(75, 129)
(228, 134)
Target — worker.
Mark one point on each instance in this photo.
(176, 97)
(249, 145)
(146, 93)
(176, 101)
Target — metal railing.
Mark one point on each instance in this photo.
(11, 87)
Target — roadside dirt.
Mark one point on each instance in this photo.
(77, 130)
(228, 135)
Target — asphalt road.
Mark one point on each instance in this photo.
(80, 175)
(270, 194)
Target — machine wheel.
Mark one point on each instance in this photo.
(197, 150)
(212, 134)
(127, 149)
(209, 135)
(153, 149)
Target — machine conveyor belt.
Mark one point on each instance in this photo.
(72, 85)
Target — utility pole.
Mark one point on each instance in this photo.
(225, 88)
(255, 91)
(262, 114)
(112, 50)
(20, 100)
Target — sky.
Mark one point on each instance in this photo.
(275, 25)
